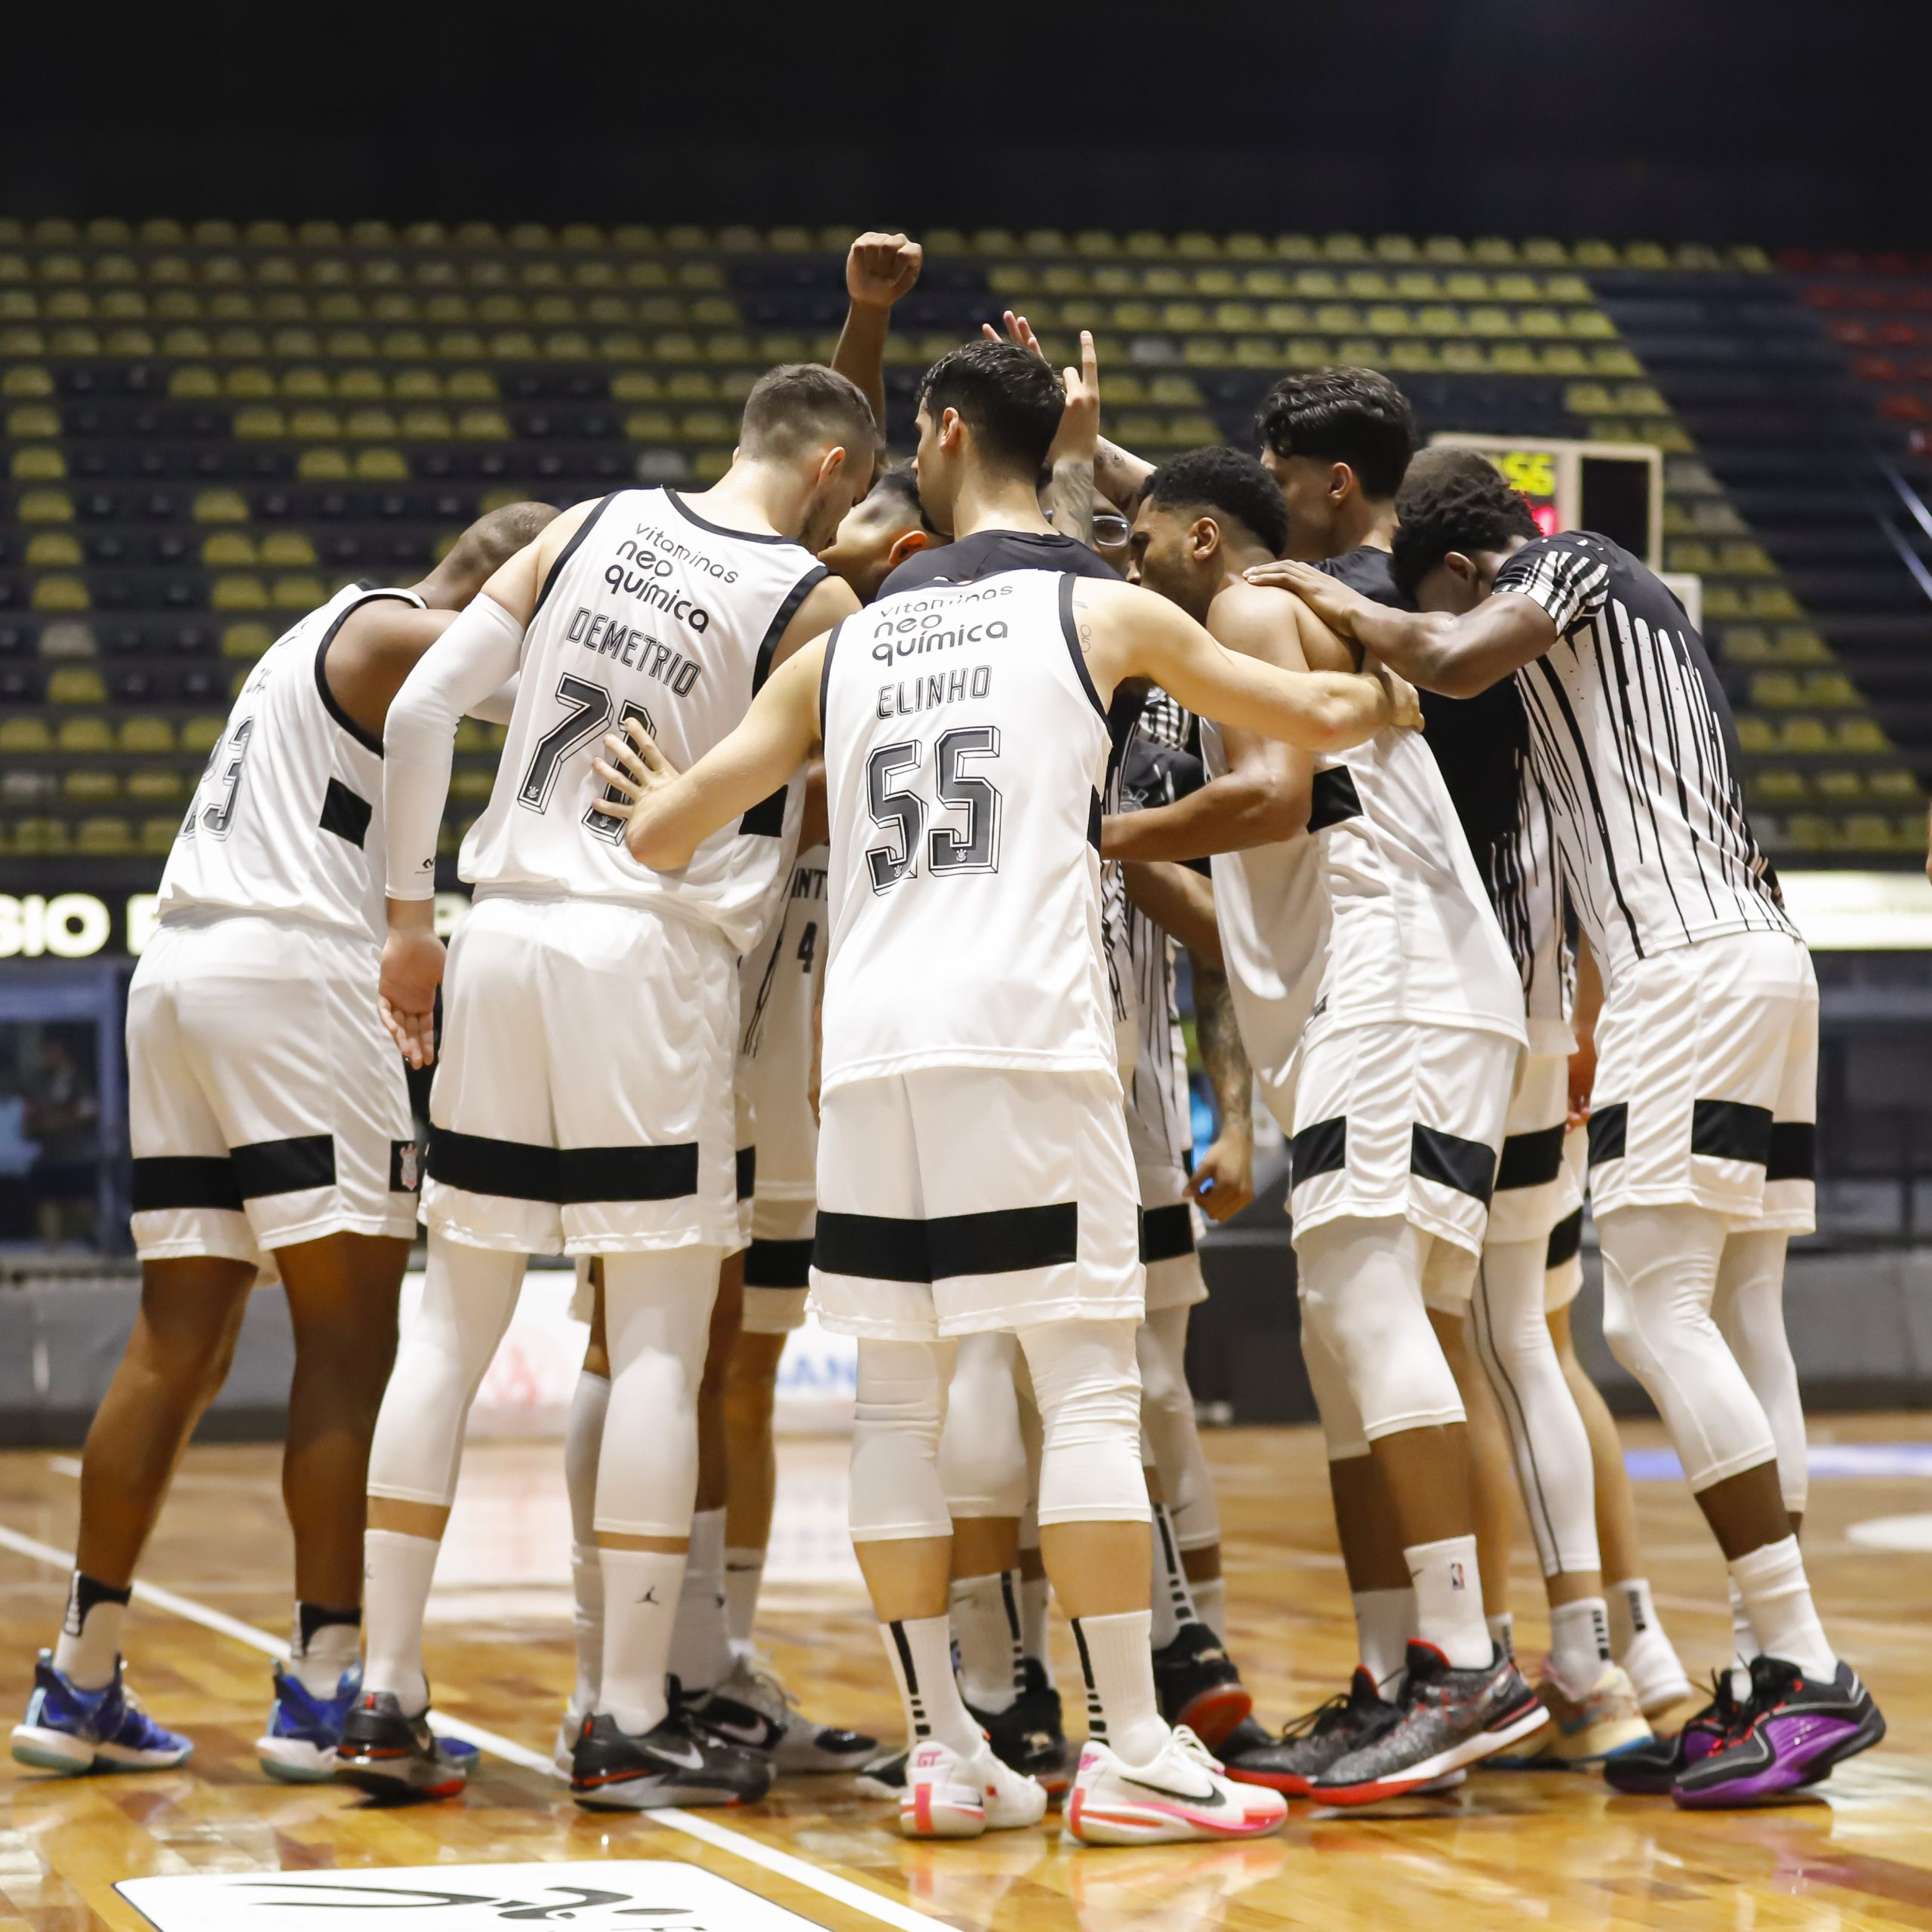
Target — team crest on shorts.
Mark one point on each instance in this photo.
(405, 1167)
(613, 1894)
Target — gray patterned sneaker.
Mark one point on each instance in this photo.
(1446, 1719)
(1313, 1742)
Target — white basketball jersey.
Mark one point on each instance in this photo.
(778, 982)
(1526, 889)
(288, 816)
(965, 749)
(653, 613)
(1411, 933)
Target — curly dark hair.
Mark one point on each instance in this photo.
(1453, 499)
(1358, 417)
(1224, 480)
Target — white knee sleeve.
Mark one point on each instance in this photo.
(468, 1296)
(1166, 1420)
(657, 1325)
(1750, 1311)
(1660, 1276)
(1334, 1404)
(896, 1419)
(1551, 1447)
(1088, 1386)
(982, 1454)
(1361, 1294)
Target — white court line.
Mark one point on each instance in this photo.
(827, 1885)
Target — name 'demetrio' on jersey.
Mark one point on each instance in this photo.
(603, 636)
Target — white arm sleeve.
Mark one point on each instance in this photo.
(496, 708)
(474, 657)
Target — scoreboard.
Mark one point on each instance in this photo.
(1616, 489)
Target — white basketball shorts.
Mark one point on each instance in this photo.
(1534, 1189)
(1563, 1262)
(582, 1101)
(1392, 1117)
(1707, 1083)
(267, 1101)
(956, 1199)
(1169, 1231)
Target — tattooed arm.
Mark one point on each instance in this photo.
(1224, 1179)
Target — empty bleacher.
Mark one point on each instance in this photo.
(206, 428)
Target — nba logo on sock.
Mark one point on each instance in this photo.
(1456, 1576)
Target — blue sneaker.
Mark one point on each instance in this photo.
(298, 1746)
(71, 1731)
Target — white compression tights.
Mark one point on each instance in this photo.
(1376, 1365)
(1661, 1266)
(1546, 1433)
(1087, 1390)
(1166, 1419)
(1749, 1310)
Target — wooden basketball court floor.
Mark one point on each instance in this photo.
(1546, 1849)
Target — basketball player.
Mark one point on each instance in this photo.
(271, 1137)
(584, 1103)
(965, 1006)
(1412, 1018)
(1701, 1122)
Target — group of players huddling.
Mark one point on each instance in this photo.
(849, 823)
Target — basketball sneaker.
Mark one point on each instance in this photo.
(1585, 1731)
(1197, 1685)
(1792, 1732)
(71, 1731)
(563, 1746)
(885, 1777)
(752, 1708)
(1447, 1719)
(1030, 1735)
(676, 1762)
(1183, 1796)
(1310, 1743)
(948, 1794)
(1650, 1770)
(389, 1755)
(298, 1746)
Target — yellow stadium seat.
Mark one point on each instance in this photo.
(229, 549)
(40, 837)
(246, 640)
(155, 786)
(1839, 787)
(25, 380)
(19, 735)
(220, 507)
(146, 735)
(297, 593)
(287, 549)
(1862, 735)
(157, 835)
(60, 593)
(32, 418)
(322, 466)
(52, 548)
(90, 787)
(238, 593)
(38, 465)
(381, 465)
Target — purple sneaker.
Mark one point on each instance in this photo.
(1652, 1769)
(1793, 1731)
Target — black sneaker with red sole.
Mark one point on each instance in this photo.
(1197, 1685)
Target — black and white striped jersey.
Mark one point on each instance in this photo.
(1633, 744)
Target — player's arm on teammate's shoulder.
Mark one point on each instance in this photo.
(1459, 656)
(1180, 900)
(670, 813)
(1222, 1181)
(879, 268)
(1128, 633)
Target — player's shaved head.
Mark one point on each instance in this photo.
(481, 551)
(801, 407)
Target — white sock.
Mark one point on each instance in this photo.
(1744, 1643)
(701, 1653)
(744, 1576)
(1385, 1621)
(1210, 1603)
(1632, 1613)
(397, 1571)
(1116, 1658)
(1449, 1600)
(1035, 1593)
(985, 1625)
(1778, 1597)
(641, 1590)
(920, 1650)
(90, 1639)
(587, 1621)
(318, 1659)
(1173, 1600)
(1579, 1643)
(1502, 1632)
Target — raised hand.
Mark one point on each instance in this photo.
(1079, 435)
(881, 267)
(1018, 330)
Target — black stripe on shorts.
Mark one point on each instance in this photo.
(584, 1174)
(161, 1181)
(1794, 1150)
(285, 1167)
(1610, 1126)
(1566, 1240)
(512, 1170)
(1530, 1160)
(1166, 1233)
(1007, 1241)
(747, 1172)
(1320, 1147)
(1467, 1166)
(1730, 1131)
(778, 1264)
